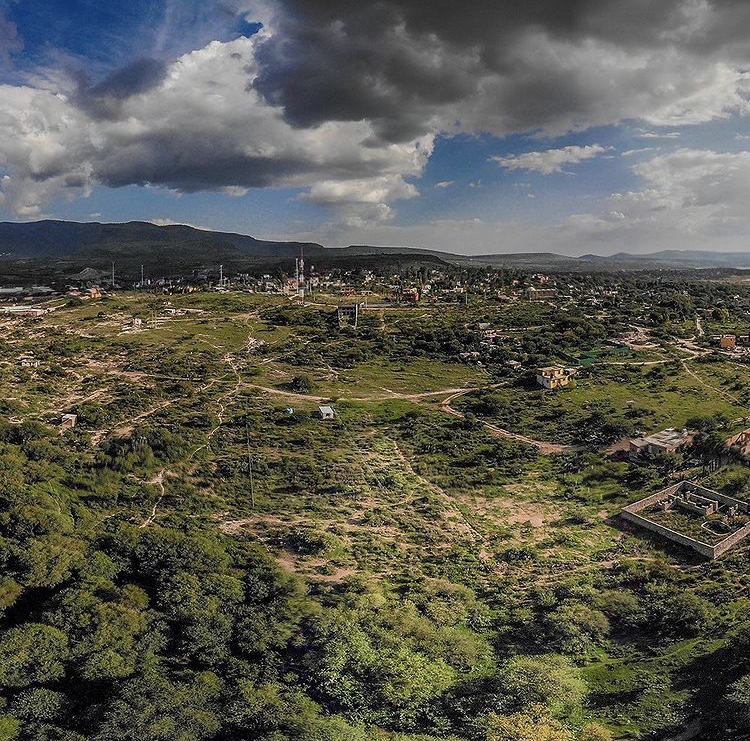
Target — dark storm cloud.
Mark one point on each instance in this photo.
(400, 63)
(102, 100)
(137, 77)
(193, 127)
(192, 163)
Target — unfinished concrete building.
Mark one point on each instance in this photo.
(666, 441)
(554, 377)
(349, 313)
(719, 522)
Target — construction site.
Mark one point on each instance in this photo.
(693, 516)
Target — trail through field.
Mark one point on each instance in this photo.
(716, 390)
(405, 463)
(544, 447)
(223, 403)
(159, 480)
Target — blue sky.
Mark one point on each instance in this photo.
(552, 126)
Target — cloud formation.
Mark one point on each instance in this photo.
(9, 39)
(344, 100)
(505, 67)
(189, 127)
(549, 160)
(692, 198)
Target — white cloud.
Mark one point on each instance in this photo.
(691, 199)
(658, 135)
(200, 128)
(550, 160)
(360, 201)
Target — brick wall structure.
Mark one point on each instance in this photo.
(631, 514)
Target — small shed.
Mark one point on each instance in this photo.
(326, 412)
(69, 420)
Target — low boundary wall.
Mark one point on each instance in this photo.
(630, 513)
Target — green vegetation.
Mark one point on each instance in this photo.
(203, 557)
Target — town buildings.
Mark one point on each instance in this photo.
(540, 294)
(740, 445)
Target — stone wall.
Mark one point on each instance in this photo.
(630, 513)
(723, 498)
(731, 541)
(653, 499)
(703, 548)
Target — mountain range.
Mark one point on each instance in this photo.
(143, 242)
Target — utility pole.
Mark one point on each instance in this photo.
(221, 275)
(142, 280)
(113, 274)
(249, 465)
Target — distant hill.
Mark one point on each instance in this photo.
(54, 252)
(133, 239)
(184, 247)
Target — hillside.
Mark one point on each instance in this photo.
(181, 247)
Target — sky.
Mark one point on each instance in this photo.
(568, 126)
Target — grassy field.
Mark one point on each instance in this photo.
(630, 399)
(395, 489)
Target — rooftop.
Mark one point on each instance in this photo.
(665, 437)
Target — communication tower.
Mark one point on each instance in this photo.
(300, 273)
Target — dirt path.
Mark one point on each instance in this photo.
(159, 480)
(716, 390)
(389, 393)
(544, 447)
(441, 493)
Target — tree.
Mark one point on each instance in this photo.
(32, 653)
(533, 725)
(550, 682)
(594, 732)
(153, 707)
(739, 702)
(9, 727)
(301, 384)
(39, 705)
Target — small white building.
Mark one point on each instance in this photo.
(327, 412)
(69, 420)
